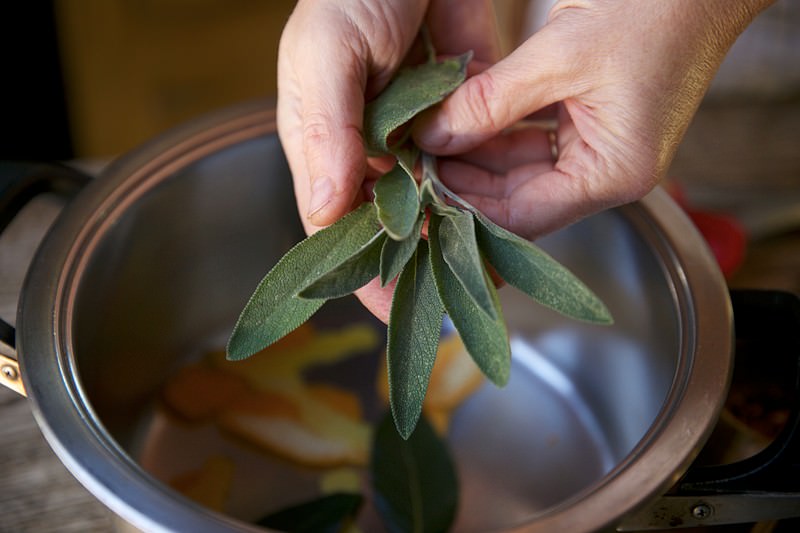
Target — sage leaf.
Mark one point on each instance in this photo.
(427, 194)
(459, 248)
(528, 268)
(485, 338)
(414, 480)
(395, 254)
(413, 90)
(407, 155)
(429, 198)
(415, 324)
(326, 514)
(430, 175)
(397, 200)
(355, 272)
(274, 309)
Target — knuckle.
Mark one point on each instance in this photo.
(316, 128)
(480, 102)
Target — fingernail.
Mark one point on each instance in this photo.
(321, 193)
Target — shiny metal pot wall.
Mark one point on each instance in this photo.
(155, 259)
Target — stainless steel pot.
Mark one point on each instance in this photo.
(152, 262)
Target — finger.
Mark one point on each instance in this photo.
(511, 149)
(543, 198)
(524, 82)
(463, 178)
(542, 203)
(321, 139)
(539, 197)
(332, 110)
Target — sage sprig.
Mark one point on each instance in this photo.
(397, 201)
(445, 273)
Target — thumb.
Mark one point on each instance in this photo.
(333, 148)
(320, 105)
(520, 84)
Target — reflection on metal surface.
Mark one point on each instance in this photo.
(567, 389)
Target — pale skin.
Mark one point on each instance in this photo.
(625, 78)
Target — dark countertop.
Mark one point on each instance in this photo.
(743, 159)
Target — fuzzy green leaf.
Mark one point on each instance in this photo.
(433, 186)
(531, 270)
(397, 200)
(427, 194)
(407, 155)
(460, 251)
(274, 308)
(429, 198)
(358, 270)
(412, 90)
(414, 480)
(485, 338)
(395, 254)
(327, 514)
(415, 322)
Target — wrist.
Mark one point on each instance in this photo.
(724, 20)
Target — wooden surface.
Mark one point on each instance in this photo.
(732, 158)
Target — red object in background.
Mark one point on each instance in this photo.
(724, 234)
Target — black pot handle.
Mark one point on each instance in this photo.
(20, 182)
(765, 486)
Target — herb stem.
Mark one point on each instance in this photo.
(429, 172)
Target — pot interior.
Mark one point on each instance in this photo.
(162, 285)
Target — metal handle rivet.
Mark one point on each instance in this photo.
(701, 511)
(10, 372)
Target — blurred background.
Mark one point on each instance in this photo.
(94, 78)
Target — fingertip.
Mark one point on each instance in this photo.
(336, 169)
(326, 205)
(322, 218)
(431, 132)
(451, 128)
(329, 202)
(322, 191)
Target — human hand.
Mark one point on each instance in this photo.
(333, 57)
(626, 76)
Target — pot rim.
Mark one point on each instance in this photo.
(78, 438)
(700, 384)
